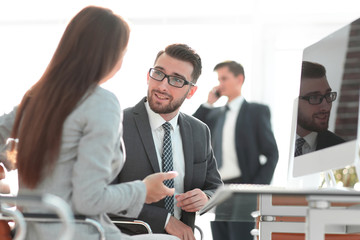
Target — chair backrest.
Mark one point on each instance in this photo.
(16, 216)
(135, 226)
(131, 226)
(46, 201)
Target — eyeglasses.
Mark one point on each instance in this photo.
(172, 80)
(317, 99)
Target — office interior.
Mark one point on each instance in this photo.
(267, 37)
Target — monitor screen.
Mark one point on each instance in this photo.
(326, 111)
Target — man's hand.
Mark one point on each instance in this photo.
(155, 188)
(214, 95)
(191, 201)
(179, 229)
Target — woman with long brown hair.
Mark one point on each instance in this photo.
(69, 130)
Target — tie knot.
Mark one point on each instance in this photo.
(166, 126)
(300, 142)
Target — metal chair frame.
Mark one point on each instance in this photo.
(63, 214)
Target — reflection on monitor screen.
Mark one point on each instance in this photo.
(325, 130)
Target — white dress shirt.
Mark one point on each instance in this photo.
(230, 167)
(310, 142)
(156, 122)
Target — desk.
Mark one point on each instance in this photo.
(243, 202)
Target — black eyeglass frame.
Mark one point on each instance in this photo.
(186, 82)
(329, 97)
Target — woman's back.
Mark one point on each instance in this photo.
(89, 159)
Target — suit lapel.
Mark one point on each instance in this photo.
(188, 148)
(143, 126)
(241, 127)
(241, 119)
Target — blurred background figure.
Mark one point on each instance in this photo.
(242, 139)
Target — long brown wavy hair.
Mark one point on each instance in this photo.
(93, 42)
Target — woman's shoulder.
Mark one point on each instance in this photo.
(100, 92)
(100, 97)
(97, 104)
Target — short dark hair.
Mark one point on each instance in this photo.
(234, 67)
(184, 53)
(312, 70)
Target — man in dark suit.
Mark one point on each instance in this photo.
(315, 103)
(170, 82)
(243, 141)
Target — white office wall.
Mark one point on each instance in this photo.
(267, 37)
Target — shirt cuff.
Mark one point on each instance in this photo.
(167, 220)
(208, 105)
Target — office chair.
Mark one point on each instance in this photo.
(47, 201)
(134, 226)
(63, 214)
(53, 218)
(15, 215)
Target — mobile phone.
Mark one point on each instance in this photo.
(217, 93)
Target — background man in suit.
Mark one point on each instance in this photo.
(315, 103)
(170, 82)
(243, 141)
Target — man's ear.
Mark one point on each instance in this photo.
(240, 78)
(191, 92)
(147, 78)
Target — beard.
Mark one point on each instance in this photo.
(311, 124)
(160, 108)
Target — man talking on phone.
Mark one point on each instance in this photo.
(244, 145)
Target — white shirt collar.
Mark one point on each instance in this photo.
(310, 139)
(236, 103)
(156, 120)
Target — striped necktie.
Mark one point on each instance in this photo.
(299, 144)
(167, 161)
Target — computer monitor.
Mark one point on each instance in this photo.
(321, 120)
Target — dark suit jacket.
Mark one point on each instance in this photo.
(141, 160)
(253, 137)
(327, 139)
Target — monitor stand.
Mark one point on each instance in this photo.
(331, 182)
(330, 179)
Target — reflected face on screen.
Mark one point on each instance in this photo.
(313, 118)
